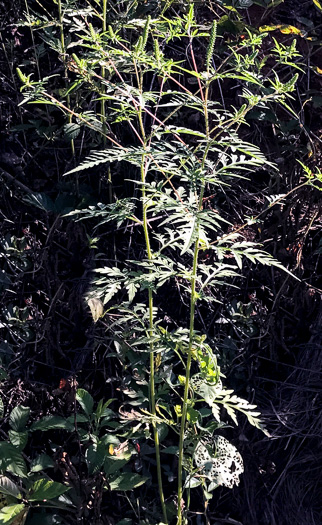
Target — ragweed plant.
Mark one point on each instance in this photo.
(141, 86)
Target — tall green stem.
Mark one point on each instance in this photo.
(188, 369)
(150, 301)
(103, 74)
(103, 110)
(63, 51)
(193, 301)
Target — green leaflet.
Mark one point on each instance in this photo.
(86, 402)
(11, 460)
(44, 490)
(9, 488)
(19, 417)
(51, 423)
(10, 512)
(127, 481)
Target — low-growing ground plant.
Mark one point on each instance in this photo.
(102, 463)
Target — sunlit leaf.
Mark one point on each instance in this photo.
(9, 488)
(287, 30)
(44, 490)
(318, 4)
(10, 513)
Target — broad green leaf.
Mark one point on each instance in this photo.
(11, 460)
(80, 418)
(18, 439)
(127, 481)
(9, 488)
(113, 464)
(110, 439)
(95, 455)
(163, 431)
(9, 513)
(102, 409)
(41, 462)
(44, 490)
(51, 423)
(19, 417)
(192, 415)
(86, 402)
(192, 483)
(108, 415)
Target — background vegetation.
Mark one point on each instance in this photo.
(136, 239)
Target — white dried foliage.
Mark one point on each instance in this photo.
(220, 462)
(96, 307)
(197, 381)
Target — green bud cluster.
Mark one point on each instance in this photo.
(157, 52)
(111, 32)
(211, 45)
(146, 33)
(139, 45)
(92, 32)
